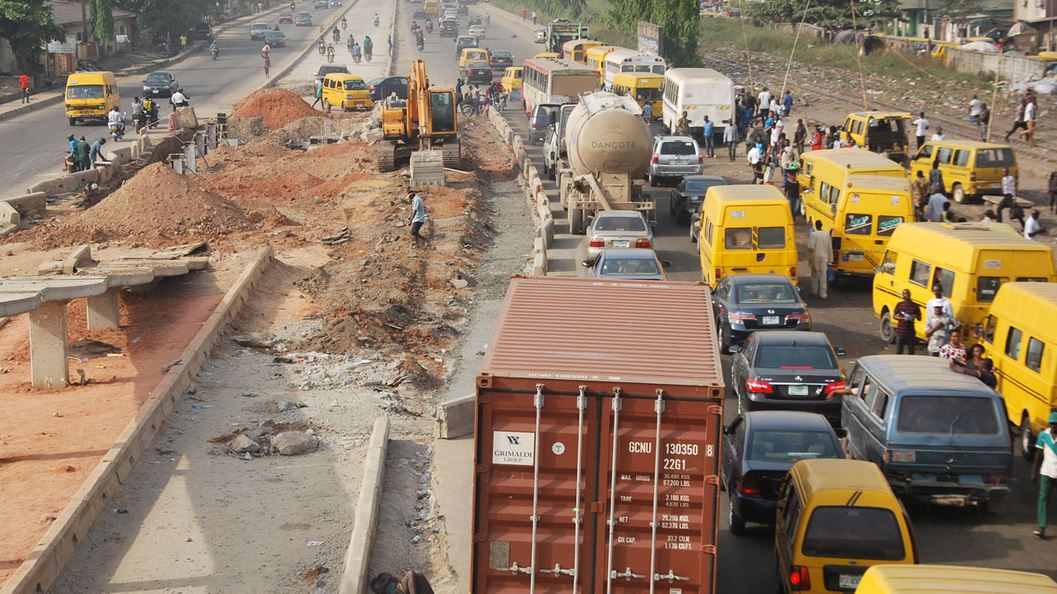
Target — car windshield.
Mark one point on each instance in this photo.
(700, 186)
(157, 77)
(764, 293)
(619, 224)
(502, 54)
(955, 415)
(85, 92)
(794, 356)
(355, 85)
(788, 447)
(479, 65)
(853, 532)
(630, 267)
(678, 147)
(259, 26)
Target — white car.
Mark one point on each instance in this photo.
(476, 31)
(618, 229)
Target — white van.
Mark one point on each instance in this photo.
(623, 59)
(699, 92)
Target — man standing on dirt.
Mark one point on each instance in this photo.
(764, 102)
(800, 136)
(418, 214)
(920, 126)
(730, 138)
(682, 126)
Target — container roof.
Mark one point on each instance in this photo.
(594, 330)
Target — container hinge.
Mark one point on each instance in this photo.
(712, 479)
(709, 549)
(715, 409)
(558, 570)
(626, 574)
(670, 576)
(515, 568)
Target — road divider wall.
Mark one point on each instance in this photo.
(365, 516)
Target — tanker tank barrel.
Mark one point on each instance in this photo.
(605, 134)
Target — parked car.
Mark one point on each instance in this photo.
(674, 157)
(477, 31)
(501, 59)
(449, 27)
(462, 42)
(325, 69)
(303, 19)
(618, 229)
(160, 84)
(788, 370)
(335, 3)
(689, 194)
(541, 119)
(935, 434)
(477, 73)
(758, 449)
(320, 4)
(259, 30)
(626, 264)
(387, 85)
(745, 303)
(474, 20)
(200, 32)
(275, 38)
(286, 18)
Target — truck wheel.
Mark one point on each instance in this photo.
(737, 525)
(1027, 440)
(576, 220)
(958, 193)
(653, 180)
(888, 333)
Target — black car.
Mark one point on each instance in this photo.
(387, 85)
(200, 32)
(326, 69)
(758, 449)
(745, 303)
(477, 73)
(688, 196)
(788, 370)
(500, 59)
(449, 28)
(159, 84)
(462, 42)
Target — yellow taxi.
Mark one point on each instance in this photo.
(472, 54)
(643, 87)
(513, 78)
(883, 132)
(970, 168)
(944, 579)
(91, 96)
(346, 91)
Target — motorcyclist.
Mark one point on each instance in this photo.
(139, 118)
(376, 19)
(419, 40)
(322, 46)
(344, 23)
(429, 26)
(214, 48)
(178, 98)
(356, 52)
(115, 120)
(488, 19)
(336, 34)
(330, 53)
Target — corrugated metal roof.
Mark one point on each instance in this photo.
(627, 331)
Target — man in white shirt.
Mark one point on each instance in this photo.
(776, 108)
(178, 99)
(1029, 122)
(730, 138)
(765, 101)
(937, 135)
(820, 254)
(754, 156)
(1031, 226)
(974, 109)
(1044, 470)
(1009, 193)
(937, 301)
(920, 126)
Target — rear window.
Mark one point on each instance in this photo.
(886, 224)
(776, 356)
(998, 157)
(858, 224)
(157, 77)
(620, 224)
(630, 267)
(771, 237)
(854, 532)
(502, 54)
(700, 186)
(764, 293)
(678, 147)
(789, 447)
(953, 415)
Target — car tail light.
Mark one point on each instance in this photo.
(737, 316)
(700, 158)
(757, 386)
(719, 274)
(833, 387)
(799, 317)
(995, 479)
(792, 272)
(901, 456)
(972, 176)
(655, 160)
(597, 243)
(799, 579)
(643, 243)
(747, 486)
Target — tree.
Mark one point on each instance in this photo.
(102, 19)
(831, 14)
(679, 20)
(27, 25)
(166, 17)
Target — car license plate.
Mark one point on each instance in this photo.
(770, 320)
(855, 257)
(618, 243)
(798, 390)
(848, 582)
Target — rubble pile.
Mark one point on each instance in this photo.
(276, 107)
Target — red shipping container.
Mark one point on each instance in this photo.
(599, 416)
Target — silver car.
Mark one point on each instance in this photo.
(477, 31)
(675, 157)
(618, 229)
(630, 264)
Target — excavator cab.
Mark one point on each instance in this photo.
(427, 120)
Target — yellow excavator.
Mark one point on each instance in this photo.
(427, 120)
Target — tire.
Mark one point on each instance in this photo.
(576, 221)
(888, 332)
(653, 180)
(737, 525)
(724, 339)
(1027, 440)
(958, 193)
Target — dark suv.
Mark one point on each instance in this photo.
(201, 32)
(500, 59)
(449, 28)
(387, 85)
(159, 84)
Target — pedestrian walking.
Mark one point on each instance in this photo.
(319, 94)
(906, 312)
(1032, 228)
(974, 109)
(730, 138)
(83, 149)
(820, 252)
(418, 214)
(95, 150)
(787, 103)
(800, 136)
(707, 130)
(1051, 187)
(920, 126)
(1044, 470)
(984, 121)
(764, 103)
(1009, 193)
(390, 45)
(23, 83)
(647, 113)
(755, 159)
(1029, 121)
(1018, 120)
(919, 189)
(939, 331)
(936, 185)
(534, 16)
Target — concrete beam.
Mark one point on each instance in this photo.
(104, 311)
(54, 288)
(26, 203)
(47, 346)
(79, 258)
(455, 418)
(365, 518)
(16, 303)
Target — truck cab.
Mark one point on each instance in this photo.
(554, 142)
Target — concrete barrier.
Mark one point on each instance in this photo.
(71, 182)
(120, 156)
(45, 562)
(9, 215)
(455, 418)
(365, 518)
(547, 230)
(27, 203)
(539, 265)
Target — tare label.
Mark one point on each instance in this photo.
(513, 447)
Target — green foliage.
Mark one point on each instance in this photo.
(956, 8)
(833, 14)
(102, 12)
(27, 25)
(679, 21)
(168, 17)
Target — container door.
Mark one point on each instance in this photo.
(660, 467)
(533, 451)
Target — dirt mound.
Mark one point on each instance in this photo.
(276, 107)
(155, 206)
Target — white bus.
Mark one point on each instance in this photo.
(623, 59)
(555, 81)
(699, 92)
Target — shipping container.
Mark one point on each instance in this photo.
(598, 423)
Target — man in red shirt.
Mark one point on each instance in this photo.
(23, 82)
(904, 315)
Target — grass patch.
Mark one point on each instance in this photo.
(721, 31)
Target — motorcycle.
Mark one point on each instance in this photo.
(330, 54)
(429, 26)
(376, 20)
(117, 131)
(419, 42)
(367, 52)
(336, 35)
(344, 23)
(214, 51)
(322, 47)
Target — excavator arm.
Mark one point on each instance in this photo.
(428, 116)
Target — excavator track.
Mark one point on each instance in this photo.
(452, 153)
(386, 159)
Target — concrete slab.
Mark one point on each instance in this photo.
(454, 459)
(16, 303)
(79, 257)
(120, 275)
(365, 518)
(59, 288)
(455, 418)
(47, 346)
(26, 203)
(160, 267)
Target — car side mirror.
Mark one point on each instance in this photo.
(841, 351)
(666, 264)
(585, 263)
(734, 348)
(728, 430)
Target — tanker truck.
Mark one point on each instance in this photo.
(608, 147)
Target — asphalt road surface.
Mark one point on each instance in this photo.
(945, 535)
(35, 142)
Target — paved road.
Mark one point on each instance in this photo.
(34, 143)
(945, 535)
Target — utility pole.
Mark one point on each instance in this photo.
(84, 21)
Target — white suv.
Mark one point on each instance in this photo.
(675, 157)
